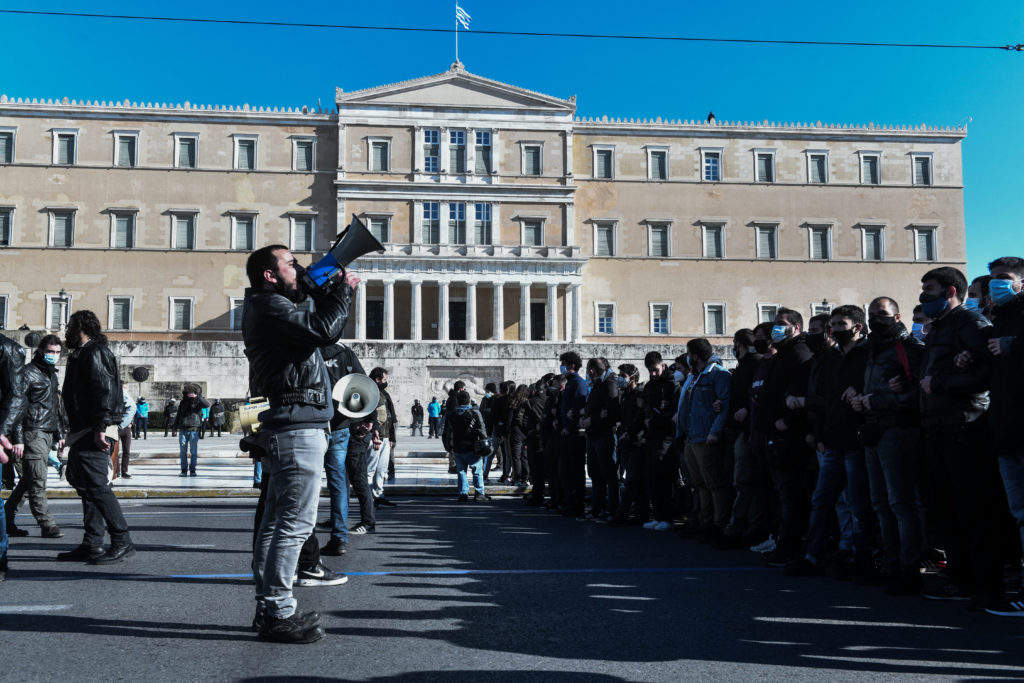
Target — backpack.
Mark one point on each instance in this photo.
(466, 430)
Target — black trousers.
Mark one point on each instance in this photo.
(535, 455)
(787, 460)
(635, 492)
(603, 473)
(520, 464)
(355, 468)
(101, 513)
(434, 429)
(662, 473)
(551, 445)
(572, 471)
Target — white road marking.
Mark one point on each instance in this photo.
(920, 662)
(22, 609)
(772, 642)
(608, 585)
(621, 597)
(871, 648)
(842, 622)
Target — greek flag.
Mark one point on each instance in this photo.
(462, 16)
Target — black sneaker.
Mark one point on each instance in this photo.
(115, 554)
(15, 532)
(335, 548)
(309, 619)
(319, 576)
(463, 497)
(82, 553)
(803, 567)
(290, 630)
(125, 475)
(1009, 608)
(480, 495)
(184, 473)
(946, 591)
(362, 529)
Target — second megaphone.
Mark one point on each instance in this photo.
(353, 243)
(357, 395)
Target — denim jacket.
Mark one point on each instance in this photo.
(696, 418)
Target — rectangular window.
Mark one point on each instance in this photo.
(658, 164)
(532, 160)
(456, 223)
(821, 249)
(457, 151)
(5, 227)
(181, 314)
(604, 239)
(3, 311)
(237, 306)
(533, 233)
(817, 168)
(6, 147)
(482, 165)
(243, 235)
(302, 231)
(380, 227)
(873, 244)
(606, 318)
(765, 167)
(869, 172)
(818, 309)
(66, 152)
(58, 312)
(603, 164)
(767, 242)
(63, 229)
(304, 155)
(184, 236)
(660, 318)
(659, 240)
(432, 222)
(922, 170)
(120, 313)
(431, 151)
(482, 223)
(766, 312)
(713, 241)
(713, 166)
(124, 231)
(714, 319)
(380, 156)
(925, 244)
(245, 154)
(126, 149)
(187, 152)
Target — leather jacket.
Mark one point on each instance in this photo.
(889, 408)
(92, 388)
(958, 394)
(282, 343)
(12, 396)
(42, 400)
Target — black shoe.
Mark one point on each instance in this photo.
(290, 630)
(463, 498)
(15, 532)
(125, 475)
(361, 528)
(82, 553)
(52, 532)
(480, 495)
(192, 473)
(335, 548)
(3, 569)
(309, 619)
(319, 575)
(385, 502)
(184, 473)
(803, 567)
(946, 591)
(115, 554)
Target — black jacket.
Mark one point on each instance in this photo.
(631, 416)
(739, 389)
(282, 343)
(603, 396)
(958, 394)
(840, 371)
(884, 364)
(787, 376)
(462, 429)
(12, 396)
(340, 361)
(1008, 377)
(534, 412)
(92, 388)
(190, 413)
(42, 400)
(217, 414)
(661, 400)
(417, 412)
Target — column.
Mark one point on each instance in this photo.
(442, 312)
(524, 311)
(498, 312)
(577, 308)
(551, 324)
(389, 310)
(471, 311)
(417, 310)
(418, 151)
(570, 229)
(361, 310)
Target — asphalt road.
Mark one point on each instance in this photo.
(458, 592)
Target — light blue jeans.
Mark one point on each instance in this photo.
(293, 464)
(188, 441)
(474, 462)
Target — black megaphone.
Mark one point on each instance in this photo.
(351, 244)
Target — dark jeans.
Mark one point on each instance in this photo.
(892, 472)
(965, 483)
(662, 473)
(572, 471)
(538, 472)
(416, 425)
(337, 483)
(433, 429)
(141, 427)
(841, 469)
(635, 491)
(520, 466)
(169, 426)
(603, 473)
(787, 462)
(87, 472)
(750, 479)
(355, 467)
(552, 444)
(126, 448)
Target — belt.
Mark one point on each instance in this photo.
(313, 397)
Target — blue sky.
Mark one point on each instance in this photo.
(217, 64)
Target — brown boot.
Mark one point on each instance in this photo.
(52, 532)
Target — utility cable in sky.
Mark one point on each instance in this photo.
(1019, 47)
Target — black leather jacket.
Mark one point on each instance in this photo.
(42, 400)
(889, 408)
(283, 344)
(957, 394)
(92, 388)
(12, 396)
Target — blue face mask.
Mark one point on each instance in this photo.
(621, 381)
(917, 329)
(51, 358)
(933, 306)
(779, 333)
(1001, 291)
(562, 370)
(678, 376)
(973, 303)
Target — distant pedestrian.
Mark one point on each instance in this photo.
(464, 427)
(204, 422)
(170, 416)
(217, 417)
(188, 423)
(141, 418)
(124, 431)
(417, 417)
(434, 418)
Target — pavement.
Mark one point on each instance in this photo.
(466, 592)
(421, 468)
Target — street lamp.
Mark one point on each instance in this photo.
(64, 300)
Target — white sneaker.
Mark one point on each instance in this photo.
(651, 524)
(663, 526)
(765, 546)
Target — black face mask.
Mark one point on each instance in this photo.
(843, 337)
(884, 326)
(761, 345)
(383, 385)
(816, 342)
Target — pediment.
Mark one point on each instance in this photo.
(457, 89)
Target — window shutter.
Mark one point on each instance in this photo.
(659, 170)
(380, 156)
(605, 241)
(185, 233)
(818, 168)
(659, 240)
(870, 170)
(715, 323)
(764, 168)
(63, 230)
(766, 242)
(922, 171)
(56, 314)
(123, 238)
(379, 229)
(604, 163)
(6, 148)
(182, 319)
(122, 308)
(532, 230)
(65, 149)
(925, 245)
(246, 155)
(819, 243)
(187, 153)
(532, 155)
(872, 244)
(304, 155)
(243, 233)
(713, 242)
(5, 228)
(483, 159)
(236, 313)
(125, 150)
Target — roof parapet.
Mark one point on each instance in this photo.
(767, 125)
(163, 106)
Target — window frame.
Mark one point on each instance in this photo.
(651, 226)
(523, 220)
(5, 307)
(370, 216)
(191, 313)
(453, 146)
(595, 149)
(437, 157)
(52, 221)
(704, 225)
(668, 317)
(372, 140)
(808, 156)
(424, 225)
(13, 131)
(765, 151)
(816, 305)
(861, 156)
(930, 157)
(237, 139)
(597, 317)
(523, 145)
(181, 213)
(810, 241)
(651, 151)
(57, 133)
(117, 135)
(725, 326)
(296, 139)
(51, 301)
(236, 326)
(613, 225)
(292, 224)
(757, 241)
(453, 208)
(929, 230)
(110, 312)
(720, 153)
(176, 151)
(489, 221)
(10, 210)
(114, 215)
(761, 305)
(235, 215)
(477, 146)
(864, 229)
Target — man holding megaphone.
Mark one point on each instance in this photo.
(283, 344)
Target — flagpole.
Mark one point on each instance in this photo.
(456, 31)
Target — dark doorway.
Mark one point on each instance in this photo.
(457, 320)
(538, 312)
(374, 319)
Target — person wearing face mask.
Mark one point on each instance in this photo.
(551, 440)
(785, 429)
(977, 296)
(661, 399)
(572, 458)
(487, 406)
(600, 417)
(41, 426)
(1007, 349)
(920, 323)
(377, 465)
(963, 472)
(534, 414)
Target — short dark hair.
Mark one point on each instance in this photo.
(49, 340)
(984, 280)
(700, 347)
(597, 364)
(260, 260)
(765, 329)
(744, 337)
(378, 372)
(791, 316)
(491, 387)
(571, 357)
(948, 277)
(854, 313)
(918, 309)
(85, 321)
(651, 359)
(1011, 264)
(463, 398)
(628, 369)
(822, 318)
(458, 386)
(884, 299)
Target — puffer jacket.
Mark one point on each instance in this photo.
(12, 396)
(92, 388)
(42, 400)
(1008, 376)
(696, 418)
(282, 343)
(884, 364)
(958, 394)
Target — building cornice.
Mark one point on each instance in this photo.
(763, 129)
